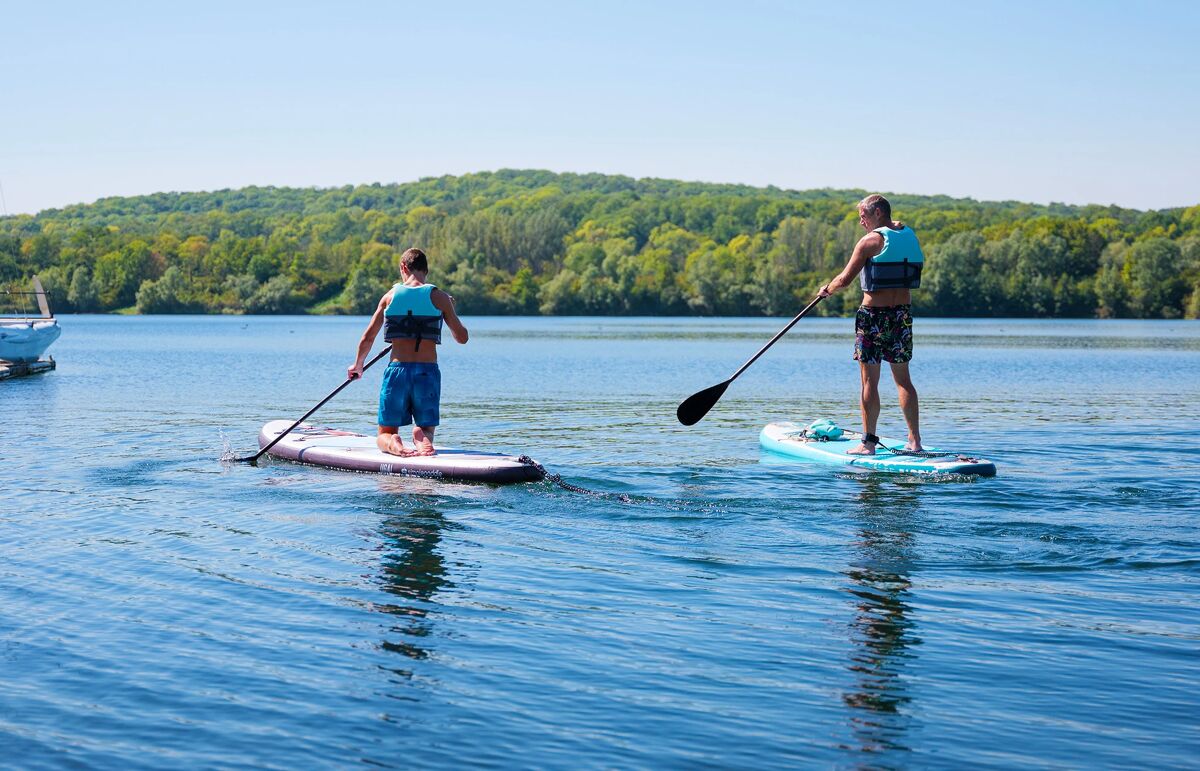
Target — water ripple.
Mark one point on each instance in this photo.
(713, 608)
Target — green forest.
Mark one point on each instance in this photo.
(537, 242)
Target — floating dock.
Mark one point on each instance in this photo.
(19, 369)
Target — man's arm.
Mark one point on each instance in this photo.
(355, 370)
(867, 247)
(445, 303)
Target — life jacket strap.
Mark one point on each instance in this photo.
(411, 326)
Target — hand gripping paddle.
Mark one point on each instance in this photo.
(253, 459)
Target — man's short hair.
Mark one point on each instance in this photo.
(414, 260)
(874, 203)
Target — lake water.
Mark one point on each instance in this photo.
(159, 608)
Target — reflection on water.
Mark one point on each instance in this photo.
(882, 631)
(295, 617)
(412, 569)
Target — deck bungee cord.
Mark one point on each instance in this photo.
(808, 434)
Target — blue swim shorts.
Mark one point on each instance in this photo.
(411, 392)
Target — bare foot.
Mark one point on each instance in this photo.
(914, 447)
(423, 441)
(393, 446)
(863, 449)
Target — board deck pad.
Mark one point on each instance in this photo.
(786, 438)
(349, 451)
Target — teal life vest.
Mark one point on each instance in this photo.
(898, 266)
(411, 315)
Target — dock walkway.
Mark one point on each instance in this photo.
(18, 369)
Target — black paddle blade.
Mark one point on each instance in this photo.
(698, 404)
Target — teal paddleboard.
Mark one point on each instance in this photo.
(793, 441)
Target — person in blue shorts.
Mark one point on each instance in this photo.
(888, 262)
(411, 314)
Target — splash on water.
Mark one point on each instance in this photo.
(227, 454)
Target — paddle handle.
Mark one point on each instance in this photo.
(320, 404)
(775, 339)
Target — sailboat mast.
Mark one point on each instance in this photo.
(43, 306)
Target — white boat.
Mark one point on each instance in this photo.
(24, 338)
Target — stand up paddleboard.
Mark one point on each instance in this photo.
(796, 441)
(349, 451)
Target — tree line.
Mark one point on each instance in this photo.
(536, 242)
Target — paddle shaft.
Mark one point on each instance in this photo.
(775, 339)
(695, 407)
(320, 404)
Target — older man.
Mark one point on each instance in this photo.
(888, 262)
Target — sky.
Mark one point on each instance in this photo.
(1076, 102)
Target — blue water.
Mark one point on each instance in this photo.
(159, 608)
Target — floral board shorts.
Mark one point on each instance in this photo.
(883, 334)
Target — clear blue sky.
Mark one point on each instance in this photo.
(1081, 102)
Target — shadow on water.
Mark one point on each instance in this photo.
(882, 632)
(413, 570)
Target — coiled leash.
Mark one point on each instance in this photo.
(558, 480)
